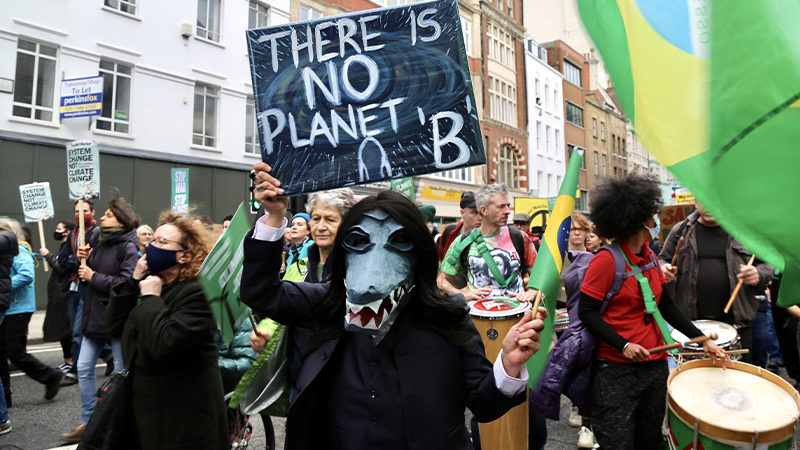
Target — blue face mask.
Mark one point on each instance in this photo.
(655, 230)
(380, 272)
(159, 260)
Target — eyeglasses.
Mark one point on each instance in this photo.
(160, 242)
(583, 230)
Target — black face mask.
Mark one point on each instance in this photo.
(58, 236)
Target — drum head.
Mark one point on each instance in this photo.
(733, 401)
(500, 307)
(726, 334)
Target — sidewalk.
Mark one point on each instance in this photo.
(35, 328)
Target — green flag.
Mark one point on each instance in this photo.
(546, 271)
(715, 95)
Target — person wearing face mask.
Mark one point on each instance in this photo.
(629, 385)
(167, 331)
(109, 263)
(709, 266)
(299, 238)
(144, 233)
(56, 327)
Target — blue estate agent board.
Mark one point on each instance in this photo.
(81, 97)
(364, 97)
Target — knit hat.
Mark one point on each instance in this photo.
(303, 215)
(428, 212)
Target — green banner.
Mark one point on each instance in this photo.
(405, 186)
(221, 276)
(551, 202)
(180, 191)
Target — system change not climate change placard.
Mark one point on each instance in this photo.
(83, 170)
(364, 97)
(37, 203)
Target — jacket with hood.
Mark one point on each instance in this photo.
(8, 250)
(112, 265)
(23, 298)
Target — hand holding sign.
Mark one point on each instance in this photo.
(267, 191)
(83, 175)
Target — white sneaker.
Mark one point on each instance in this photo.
(586, 438)
(575, 420)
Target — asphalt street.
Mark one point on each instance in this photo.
(38, 423)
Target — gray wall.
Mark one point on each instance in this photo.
(143, 179)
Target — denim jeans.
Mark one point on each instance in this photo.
(3, 406)
(87, 379)
(75, 310)
(765, 345)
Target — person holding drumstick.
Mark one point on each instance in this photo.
(629, 384)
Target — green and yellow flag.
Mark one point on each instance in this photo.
(715, 94)
(546, 271)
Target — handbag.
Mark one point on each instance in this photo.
(112, 425)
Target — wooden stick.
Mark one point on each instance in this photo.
(81, 231)
(41, 241)
(727, 352)
(677, 249)
(536, 302)
(252, 320)
(697, 340)
(738, 286)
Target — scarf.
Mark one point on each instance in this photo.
(107, 232)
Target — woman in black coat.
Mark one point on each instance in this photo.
(168, 342)
(56, 322)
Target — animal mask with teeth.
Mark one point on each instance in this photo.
(379, 272)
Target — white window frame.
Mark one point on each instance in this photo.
(596, 168)
(605, 165)
(505, 162)
(539, 137)
(572, 73)
(558, 144)
(503, 96)
(466, 29)
(206, 33)
(547, 139)
(252, 146)
(128, 5)
(546, 95)
(465, 174)
(112, 120)
(602, 131)
(34, 108)
(257, 9)
(573, 123)
(208, 92)
(501, 47)
(309, 13)
(594, 127)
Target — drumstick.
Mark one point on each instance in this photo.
(727, 352)
(697, 340)
(252, 321)
(677, 249)
(738, 286)
(535, 308)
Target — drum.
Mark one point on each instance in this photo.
(741, 407)
(561, 322)
(727, 337)
(493, 318)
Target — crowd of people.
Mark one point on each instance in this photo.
(406, 361)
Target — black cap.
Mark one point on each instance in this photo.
(537, 229)
(467, 200)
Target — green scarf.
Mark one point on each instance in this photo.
(107, 232)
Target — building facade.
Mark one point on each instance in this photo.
(546, 122)
(638, 154)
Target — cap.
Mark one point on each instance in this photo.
(467, 200)
(303, 215)
(522, 217)
(537, 230)
(428, 212)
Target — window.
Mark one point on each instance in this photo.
(555, 101)
(466, 28)
(624, 150)
(208, 12)
(126, 6)
(538, 96)
(258, 15)
(603, 131)
(252, 144)
(205, 116)
(502, 102)
(116, 97)
(546, 95)
(511, 8)
(558, 145)
(582, 201)
(507, 167)
(574, 114)
(572, 73)
(605, 171)
(463, 174)
(613, 144)
(571, 148)
(539, 137)
(307, 12)
(547, 140)
(594, 128)
(596, 169)
(35, 81)
(615, 171)
(501, 46)
(558, 182)
(550, 187)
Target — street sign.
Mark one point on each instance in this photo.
(180, 191)
(81, 97)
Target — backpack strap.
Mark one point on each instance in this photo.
(519, 244)
(487, 257)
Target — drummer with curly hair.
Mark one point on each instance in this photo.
(629, 384)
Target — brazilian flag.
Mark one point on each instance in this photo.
(546, 271)
(714, 92)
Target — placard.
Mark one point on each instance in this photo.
(537, 208)
(81, 97)
(37, 203)
(83, 170)
(357, 98)
(180, 191)
(405, 186)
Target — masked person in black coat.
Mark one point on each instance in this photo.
(56, 327)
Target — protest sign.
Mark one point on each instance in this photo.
(537, 208)
(83, 170)
(672, 215)
(81, 97)
(180, 191)
(221, 276)
(363, 97)
(37, 205)
(684, 195)
(405, 186)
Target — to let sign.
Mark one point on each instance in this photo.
(81, 97)
(358, 98)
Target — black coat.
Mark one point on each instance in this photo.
(112, 262)
(68, 261)
(56, 320)
(437, 379)
(8, 250)
(176, 384)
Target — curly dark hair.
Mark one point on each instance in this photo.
(619, 205)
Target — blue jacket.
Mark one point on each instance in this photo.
(23, 298)
(299, 252)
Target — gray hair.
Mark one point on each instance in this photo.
(341, 199)
(12, 225)
(143, 228)
(484, 195)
